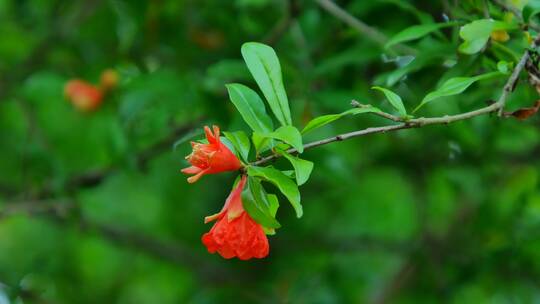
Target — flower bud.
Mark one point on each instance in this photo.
(83, 95)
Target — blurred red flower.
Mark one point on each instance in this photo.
(213, 157)
(83, 95)
(236, 234)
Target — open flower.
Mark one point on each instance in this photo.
(213, 157)
(83, 95)
(236, 234)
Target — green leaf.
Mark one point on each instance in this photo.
(263, 64)
(476, 34)
(289, 173)
(323, 120)
(240, 141)
(282, 182)
(504, 67)
(302, 167)
(289, 135)
(250, 106)
(274, 205)
(257, 205)
(416, 31)
(261, 142)
(394, 100)
(454, 86)
(530, 10)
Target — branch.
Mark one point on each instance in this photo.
(420, 122)
(292, 10)
(516, 12)
(65, 211)
(512, 81)
(95, 177)
(357, 24)
(412, 123)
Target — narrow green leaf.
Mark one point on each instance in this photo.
(282, 182)
(263, 64)
(274, 205)
(250, 106)
(302, 167)
(240, 141)
(416, 31)
(289, 135)
(323, 120)
(255, 202)
(394, 100)
(454, 86)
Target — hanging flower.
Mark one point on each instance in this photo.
(236, 234)
(213, 157)
(83, 95)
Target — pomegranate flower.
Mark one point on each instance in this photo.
(236, 234)
(213, 157)
(83, 95)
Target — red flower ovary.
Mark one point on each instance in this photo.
(236, 234)
(83, 95)
(213, 157)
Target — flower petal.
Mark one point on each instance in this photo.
(191, 170)
(210, 136)
(196, 177)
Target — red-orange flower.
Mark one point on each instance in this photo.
(236, 234)
(213, 157)
(83, 95)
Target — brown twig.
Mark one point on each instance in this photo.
(291, 12)
(412, 123)
(420, 122)
(370, 32)
(516, 12)
(511, 83)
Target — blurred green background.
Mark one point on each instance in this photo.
(95, 210)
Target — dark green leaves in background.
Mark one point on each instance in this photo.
(415, 216)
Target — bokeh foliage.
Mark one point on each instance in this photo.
(445, 213)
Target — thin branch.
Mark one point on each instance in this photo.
(511, 83)
(486, 9)
(516, 12)
(420, 122)
(95, 177)
(412, 123)
(357, 24)
(507, 7)
(292, 10)
(64, 211)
